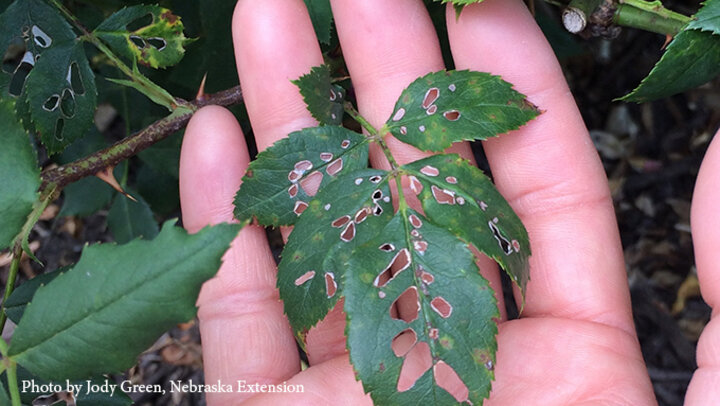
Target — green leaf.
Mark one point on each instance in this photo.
(98, 316)
(159, 43)
(691, 59)
(279, 183)
(164, 156)
(160, 96)
(159, 190)
(23, 294)
(128, 220)
(21, 176)
(707, 18)
(36, 25)
(324, 100)
(345, 214)
(459, 197)
(321, 16)
(448, 106)
(61, 95)
(452, 324)
(4, 395)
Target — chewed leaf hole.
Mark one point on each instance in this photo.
(340, 221)
(304, 278)
(441, 307)
(300, 207)
(407, 306)
(334, 167)
(348, 233)
(330, 284)
(157, 43)
(52, 103)
(311, 183)
(452, 115)
(75, 80)
(67, 104)
(446, 378)
(399, 263)
(430, 96)
(40, 37)
(23, 69)
(59, 125)
(416, 363)
(137, 41)
(140, 22)
(443, 196)
(403, 342)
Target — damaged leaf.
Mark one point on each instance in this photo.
(324, 100)
(158, 41)
(97, 317)
(344, 214)
(449, 106)
(287, 175)
(446, 322)
(459, 197)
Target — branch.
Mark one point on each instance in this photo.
(130, 146)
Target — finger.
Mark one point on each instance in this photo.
(548, 170)
(705, 222)
(268, 57)
(244, 332)
(387, 45)
(330, 383)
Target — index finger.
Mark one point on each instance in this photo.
(548, 170)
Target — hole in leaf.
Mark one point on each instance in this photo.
(415, 221)
(326, 156)
(59, 124)
(74, 79)
(416, 363)
(300, 207)
(443, 196)
(41, 39)
(23, 69)
(52, 103)
(387, 247)
(430, 96)
(429, 170)
(294, 175)
(448, 379)
(407, 306)
(452, 115)
(349, 233)
(375, 179)
(377, 210)
(502, 241)
(304, 278)
(426, 277)
(311, 183)
(399, 114)
(157, 43)
(341, 221)
(330, 284)
(451, 179)
(377, 195)
(361, 215)
(403, 342)
(335, 167)
(292, 191)
(431, 110)
(303, 166)
(399, 263)
(345, 144)
(420, 247)
(139, 42)
(441, 307)
(67, 104)
(140, 22)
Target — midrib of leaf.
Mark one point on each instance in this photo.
(105, 305)
(281, 192)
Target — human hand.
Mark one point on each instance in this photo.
(576, 342)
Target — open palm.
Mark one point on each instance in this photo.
(575, 343)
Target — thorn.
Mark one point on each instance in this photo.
(201, 91)
(106, 175)
(668, 38)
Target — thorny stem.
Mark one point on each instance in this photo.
(128, 147)
(650, 16)
(646, 15)
(155, 92)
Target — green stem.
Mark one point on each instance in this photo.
(153, 91)
(375, 136)
(10, 284)
(650, 16)
(11, 371)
